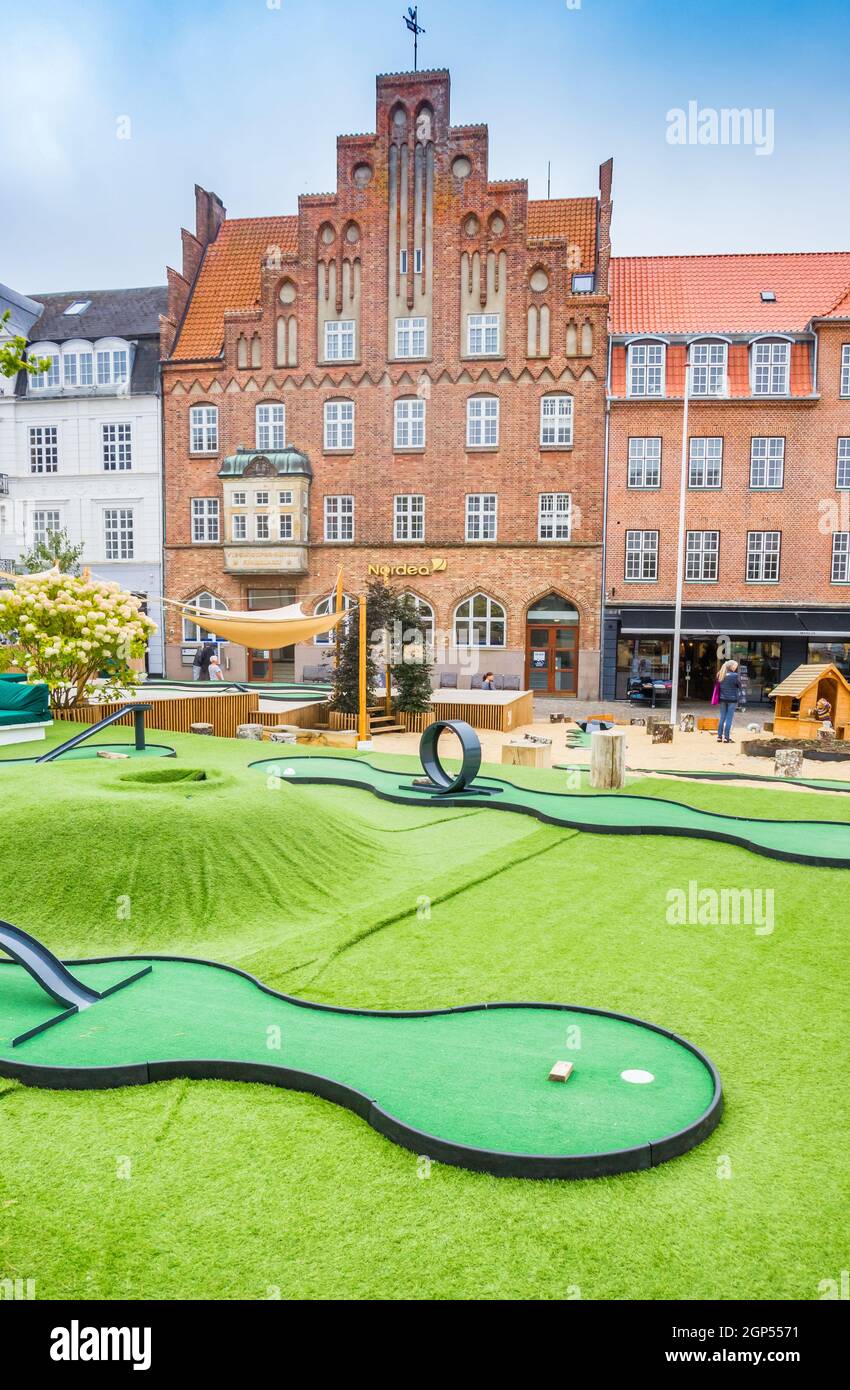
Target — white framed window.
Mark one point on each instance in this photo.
(845, 369)
(44, 524)
(842, 464)
(701, 556)
(763, 557)
(479, 622)
(191, 631)
(646, 369)
(284, 499)
(425, 613)
(554, 516)
(239, 499)
(482, 335)
(556, 421)
(285, 526)
(417, 261)
(708, 369)
(705, 462)
(205, 519)
(409, 423)
(262, 526)
(841, 557)
(402, 265)
(111, 366)
(271, 426)
(40, 381)
(328, 605)
(481, 516)
(644, 468)
(641, 555)
(261, 497)
(339, 518)
(411, 337)
(409, 517)
(771, 366)
(44, 449)
(203, 429)
(339, 424)
(239, 527)
(482, 422)
(767, 462)
(339, 340)
(118, 533)
(117, 444)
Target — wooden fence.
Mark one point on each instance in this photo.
(177, 716)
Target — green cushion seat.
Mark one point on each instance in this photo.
(28, 703)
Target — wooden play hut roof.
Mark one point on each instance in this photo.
(804, 678)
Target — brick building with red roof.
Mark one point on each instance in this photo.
(407, 378)
(766, 342)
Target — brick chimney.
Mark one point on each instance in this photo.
(210, 212)
(606, 207)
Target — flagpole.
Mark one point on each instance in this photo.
(680, 557)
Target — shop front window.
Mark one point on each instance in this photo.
(642, 656)
(831, 653)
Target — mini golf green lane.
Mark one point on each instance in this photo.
(474, 1077)
(91, 750)
(824, 843)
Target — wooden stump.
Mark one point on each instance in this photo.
(522, 754)
(201, 728)
(687, 723)
(608, 759)
(788, 762)
(662, 731)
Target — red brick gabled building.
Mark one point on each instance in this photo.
(408, 378)
(767, 559)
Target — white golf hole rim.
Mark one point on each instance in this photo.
(289, 772)
(637, 1076)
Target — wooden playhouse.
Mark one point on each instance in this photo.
(807, 699)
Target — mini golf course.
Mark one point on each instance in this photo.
(189, 1188)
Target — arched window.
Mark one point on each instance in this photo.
(38, 352)
(425, 614)
(708, 361)
(482, 422)
(326, 605)
(409, 423)
(271, 425)
(646, 369)
(191, 631)
(479, 622)
(203, 429)
(556, 422)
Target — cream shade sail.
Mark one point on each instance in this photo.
(265, 628)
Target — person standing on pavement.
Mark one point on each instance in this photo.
(729, 689)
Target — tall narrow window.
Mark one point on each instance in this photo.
(339, 518)
(556, 422)
(771, 363)
(409, 424)
(841, 557)
(701, 552)
(409, 517)
(481, 513)
(554, 516)
(845, 369)
(271, 426)
(203, 429)
(482, 335)
(339, 424)
(339, 340)
(646, 369)
(39, 381)
(205, 517)
(118, 533)
(705, 463)
(44, 449)
(641, 555)
(117, 443)
(644, 462)
(767, 462)
(842, 467)
(411, 337)
(708, 369)
(763, 557)
(482, 422)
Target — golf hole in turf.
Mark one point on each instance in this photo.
(637, 1076)
(165, 776)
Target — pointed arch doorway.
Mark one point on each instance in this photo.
(551, 646)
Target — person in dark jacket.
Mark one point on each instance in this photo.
(208, 651)
(729, 683)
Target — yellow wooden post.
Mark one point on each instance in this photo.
(363, 715)
(388, 697)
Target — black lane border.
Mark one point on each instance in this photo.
(815, 861)
(493, 1161)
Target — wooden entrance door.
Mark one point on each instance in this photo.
(552, 658)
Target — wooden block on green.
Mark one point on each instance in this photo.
(561, 1071)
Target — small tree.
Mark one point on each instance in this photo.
(56, 550)
(380, 612)
(66, 630)
(412, 667)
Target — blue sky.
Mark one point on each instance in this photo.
(247, 97)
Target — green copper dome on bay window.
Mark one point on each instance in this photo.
(266, 463)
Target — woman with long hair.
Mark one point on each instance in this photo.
(729, 690)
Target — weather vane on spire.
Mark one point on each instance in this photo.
(416, 29)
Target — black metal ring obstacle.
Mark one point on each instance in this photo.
(441, 782)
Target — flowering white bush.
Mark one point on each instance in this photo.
(67, 630)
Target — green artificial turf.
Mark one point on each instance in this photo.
(226, 1190)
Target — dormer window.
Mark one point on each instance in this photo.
(40, 381)
(646, 369)
(770, 368)
(708, 369)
